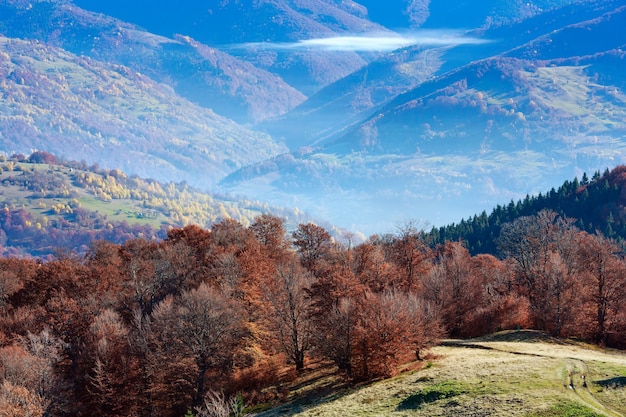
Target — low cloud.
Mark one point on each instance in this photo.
(374, 42)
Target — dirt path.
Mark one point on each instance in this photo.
(577, 372)
(575, 369)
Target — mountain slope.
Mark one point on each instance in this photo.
(250, 30)
(597, 205)
(497, 128)
(508, 374)
(48, 205)
(403, 14)
(532, 94)
(346, 102)
(352, 98)
(209, 77)
(466, 14)
(79, 108)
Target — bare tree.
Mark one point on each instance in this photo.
(216, 404)
(424, 322)
(335, 333)
(27, 372)
(288, 305)
(537, 244)
(211, 327)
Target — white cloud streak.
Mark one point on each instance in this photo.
(374, 42)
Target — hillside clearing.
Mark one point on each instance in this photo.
(508, 374)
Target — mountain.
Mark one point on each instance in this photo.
(405, 14)
(265, 33)
(467, 14)
(498, 127)
(351, 99)
(332, 110)
(50, 205)
(362, 113)
(83, 109)
(207, 76)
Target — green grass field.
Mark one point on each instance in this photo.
(115, 210)
(526, 374)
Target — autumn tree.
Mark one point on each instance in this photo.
(499, 305)
(231, 236)
(335, 333)
(313, 244)
(233, 258)
(383, 334)
(168, 369)
(104, 264)
(197, 246)
(210, 327)
(27, 373)
(113, 373)
(424, 322)
(288, 307)
(18, 394)
(10, 283)
(153, 271)
(18, 401)
(143, 291)
(372, 269)
(603, 273)
(542, 248)
(410, 253)
(558, 299)
(451, 286)
(270, 233)
(69, 319)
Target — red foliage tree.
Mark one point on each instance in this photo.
(287, 301)
(313, 244)
(603, 272)
(452, 287)
(383, 336)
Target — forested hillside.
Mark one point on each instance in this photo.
(595, 205)
(48, 205)
(182, 325)
(125, 290)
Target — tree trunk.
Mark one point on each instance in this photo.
(202, 370)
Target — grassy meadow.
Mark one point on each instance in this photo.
(523, 373)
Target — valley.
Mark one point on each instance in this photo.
(519, 98)
(313, 208)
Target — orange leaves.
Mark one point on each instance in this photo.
(27, 374)
(385, 336)
(288, 306)
(18, 401)
(153, 326)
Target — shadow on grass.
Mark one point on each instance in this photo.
(617, 382)
(318, 384)
(440, 391)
